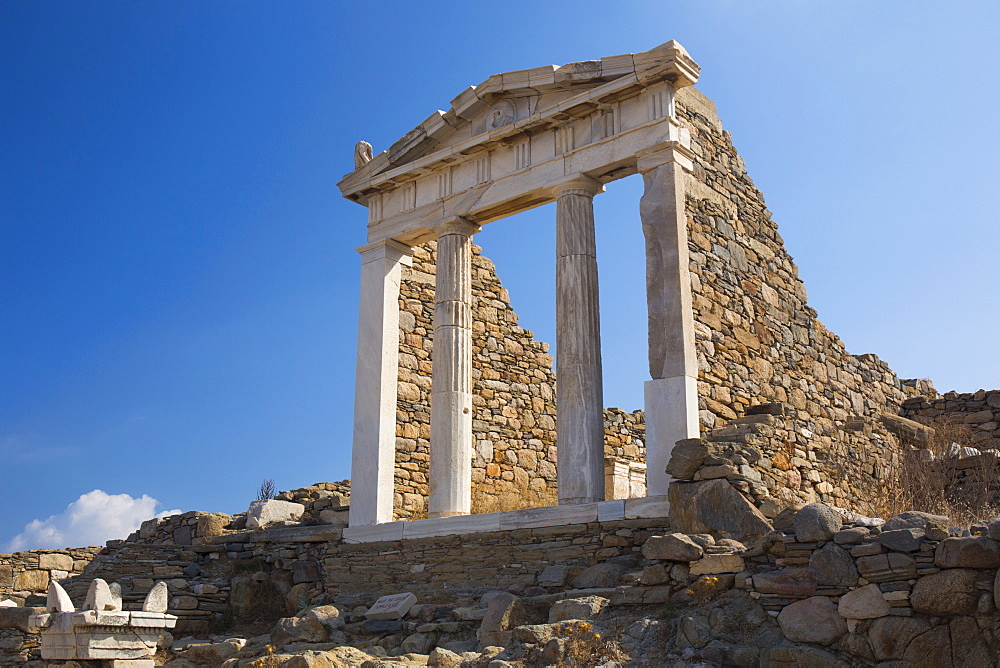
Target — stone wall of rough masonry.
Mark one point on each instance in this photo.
(25, 576)
(513, 398)
(758, 340)
(978, 412)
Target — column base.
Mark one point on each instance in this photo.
(671, 416)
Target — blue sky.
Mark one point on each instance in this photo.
(178, 285)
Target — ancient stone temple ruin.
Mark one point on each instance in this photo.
(497, 517)
(516, 141)
(728, 326)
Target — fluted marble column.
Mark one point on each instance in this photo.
(451, 380)
(373, 452)
(579, 391)
(671, 397)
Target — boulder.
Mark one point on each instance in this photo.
(297, 629)
(948, 592)
(418, 643)
(863, 603)
(816, 522)
(587, 607)
(687, 456)
(714, 507)
(504, 612)
(902, 540)
(262, 513)
(212, 654)
(212, 524)
(833, 566)
(672, 547)
(600, 575)
(443, 658)
(327, 615)
(814, 619)
(975, 552)
(913, 519)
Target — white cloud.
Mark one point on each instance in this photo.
(93, 519)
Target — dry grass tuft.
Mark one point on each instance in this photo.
(583, 647)
(966, 491)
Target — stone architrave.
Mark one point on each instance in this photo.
(392, 606)
(671, 397)
(373, 451)
(579, 392)
(451, 373)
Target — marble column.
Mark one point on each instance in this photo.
(671, 397)
(579, 391)
(373, 452)
(451, 380)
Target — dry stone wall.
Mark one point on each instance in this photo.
(758, 340)
(25, 576)
(978, 412)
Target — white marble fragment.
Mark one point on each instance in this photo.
(58, 600)
(156, 599)
(99, 597)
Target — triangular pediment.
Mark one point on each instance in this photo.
(526, 100)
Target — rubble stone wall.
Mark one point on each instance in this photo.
(978, 412)
(758, 340)
(25, 576)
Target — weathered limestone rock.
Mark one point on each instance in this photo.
(212, 654)
(262, 513)
(418, 643)
(587, 607)
(55, 562)
(553, 576)
(327, 615)
(902, 540)
(32, 581)
(833, 566)
(714, 507)
(600, 575)
(891, 566)
(814, 619)
(17, 617)
(297, 629)
(672, 547)
(687, 457)
(913, 519)
(863, 603)
(717, 563)
(973, 552)
(443, 658)
(212, 524)
(816, 522)
(504, 612)
(788, 581)
(890, 636)
(948, 592)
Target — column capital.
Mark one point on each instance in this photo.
(457, 225)
(663, 153)
(576, 184)
(386, 249)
